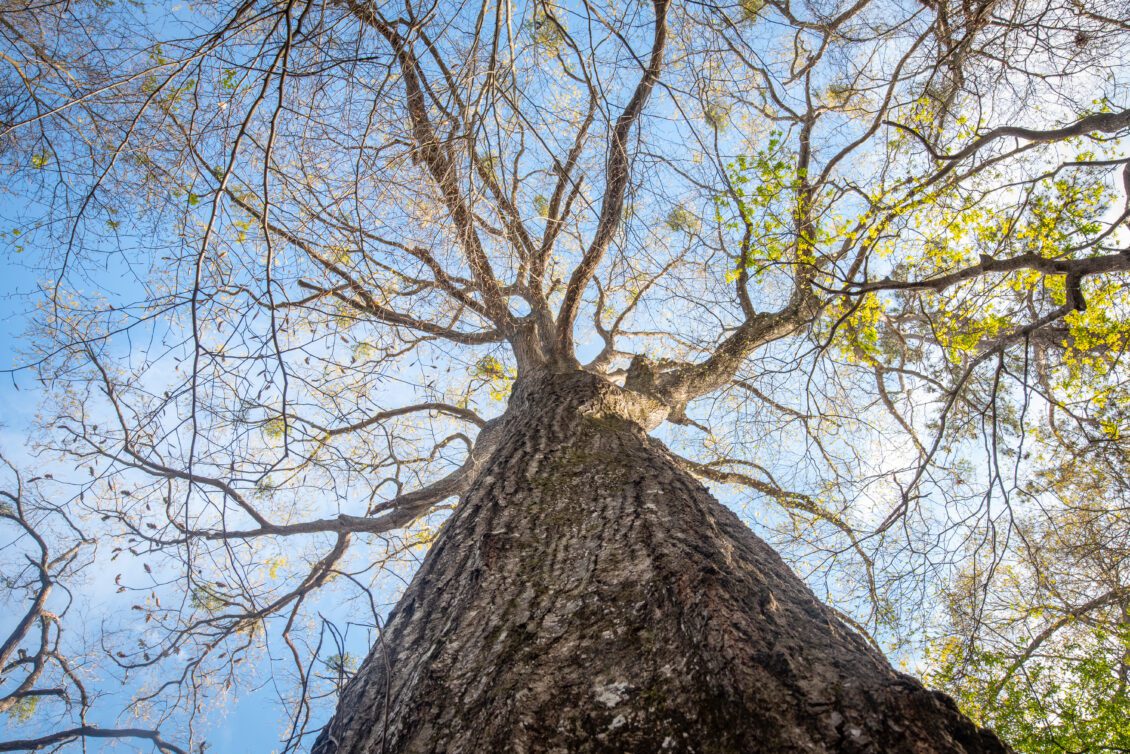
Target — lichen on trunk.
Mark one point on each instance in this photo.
(588, 595)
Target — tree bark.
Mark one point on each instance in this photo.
(588, 595)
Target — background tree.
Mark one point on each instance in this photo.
(862, 267)
(32, 662)
(1040, 652)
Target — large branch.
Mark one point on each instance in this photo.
(465, 414)
(1101, 122)
(1097, 122)
(676, 386)
(401, 511)
(438, 162)
(90, 731)
(615, 187)
(37, 607)
(1070, 616)
(1073, 268)
(394, 514)
(363, 301)
(682, 383)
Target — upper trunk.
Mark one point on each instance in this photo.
(588, 595)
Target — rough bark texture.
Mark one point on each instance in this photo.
(589, 596)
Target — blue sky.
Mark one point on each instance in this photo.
(252, 716)
(249, 722)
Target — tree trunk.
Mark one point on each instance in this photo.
(588, 595)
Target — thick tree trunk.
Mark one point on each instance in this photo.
(589, 596)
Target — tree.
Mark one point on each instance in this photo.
(1042, 653)
(315, 272)
(32, 655)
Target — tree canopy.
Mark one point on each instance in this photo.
(866, 264)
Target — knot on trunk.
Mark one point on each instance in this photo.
(652, 377)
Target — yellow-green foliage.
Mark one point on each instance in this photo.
(751, 8)
(498, 377)
(24, 709)
(681, 219)
(547, 27)
(939, 233)
(763, 196)
(1067, 698)
(858, 325)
